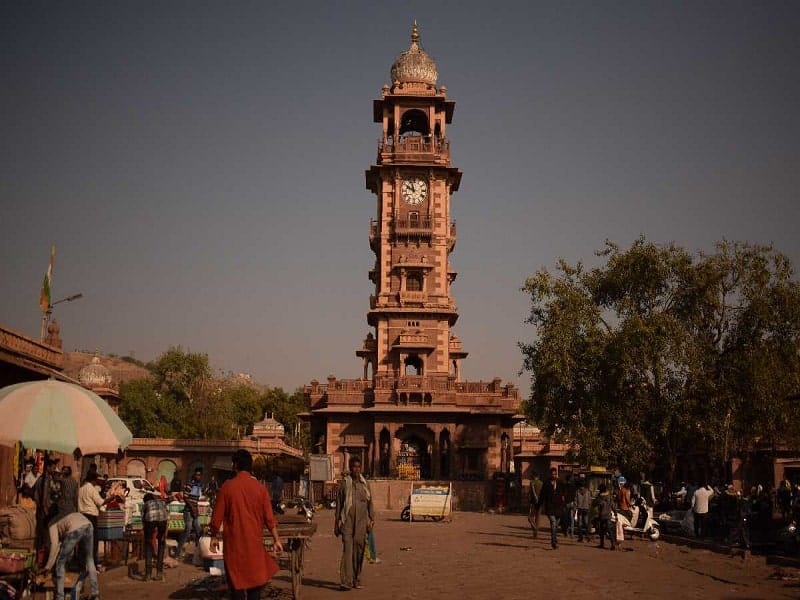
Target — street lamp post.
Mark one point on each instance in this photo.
(46, 316)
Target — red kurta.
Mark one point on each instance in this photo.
(243, 508)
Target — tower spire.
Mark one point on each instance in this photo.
(414, 33)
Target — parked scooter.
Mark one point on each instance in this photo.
(641, 521)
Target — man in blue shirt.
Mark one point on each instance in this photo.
(191, 497)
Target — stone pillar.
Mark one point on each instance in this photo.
(436, 459)
(392, 454)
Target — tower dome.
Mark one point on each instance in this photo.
(414, 65)
(95, 375)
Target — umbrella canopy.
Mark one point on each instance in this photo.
(54, 415)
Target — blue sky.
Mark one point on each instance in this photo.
(200, 165)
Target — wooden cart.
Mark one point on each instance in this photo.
(295, 532)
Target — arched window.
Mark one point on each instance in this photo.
(414, 122)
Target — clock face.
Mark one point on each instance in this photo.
(414, 190)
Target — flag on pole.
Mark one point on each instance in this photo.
(44, 297)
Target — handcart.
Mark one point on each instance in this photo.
(294, 532)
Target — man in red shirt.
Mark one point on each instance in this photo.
(242, 510)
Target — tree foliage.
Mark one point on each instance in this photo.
(183, 399)
(659, 352)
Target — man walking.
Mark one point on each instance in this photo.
(242, 510)
(355, 518)
(553, 501)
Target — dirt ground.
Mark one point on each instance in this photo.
(480, 555)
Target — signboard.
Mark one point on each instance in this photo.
(429, 500)
(320, 467)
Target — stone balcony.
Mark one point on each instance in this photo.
(413, 148)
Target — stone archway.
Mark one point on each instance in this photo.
(414, 459)
(136, 468)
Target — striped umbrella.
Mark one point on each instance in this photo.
(59, 416)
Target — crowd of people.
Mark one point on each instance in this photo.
(713, 511)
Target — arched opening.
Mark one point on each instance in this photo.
(414, 459)
(454, 369)
(370, 369)
(414, 122)
(413, 365)
(136, 468)
(385, 445)
(167, 469)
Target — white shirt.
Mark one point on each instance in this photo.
(89, 499)
(700, 500)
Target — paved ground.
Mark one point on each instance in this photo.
(479, 556)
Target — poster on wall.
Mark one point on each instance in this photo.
(430, 500)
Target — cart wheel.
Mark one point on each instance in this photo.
(296, 567)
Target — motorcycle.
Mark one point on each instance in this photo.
(641, 521)
(299, 506)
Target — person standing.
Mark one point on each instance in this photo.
(583, 502)
(605, 506)
(154, 522)
(67, 502)
(624, 504)
(700, 509)
(66, 533)
(45, 493)
(533, 512)
(89, 503)
(242, 510)
(355, 518)
(191, 512)
(553, 501)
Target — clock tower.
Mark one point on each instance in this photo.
(412, 308)
(411, 415)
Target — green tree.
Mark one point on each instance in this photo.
(658, 352)
(147, 412)
(185, 375)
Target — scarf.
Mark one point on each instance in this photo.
(348, 495)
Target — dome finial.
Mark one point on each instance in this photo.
(414, 33)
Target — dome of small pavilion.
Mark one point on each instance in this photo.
(268, 427)
(414, 65)
(95, 375)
